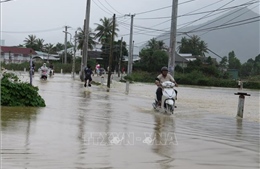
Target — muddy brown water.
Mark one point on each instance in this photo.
(92, 128)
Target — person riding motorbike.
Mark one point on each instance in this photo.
(164, 76)
(44, 67)
(52, 68)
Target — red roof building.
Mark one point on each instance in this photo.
(16, 54)
(17, 50)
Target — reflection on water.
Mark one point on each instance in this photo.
(127, 133)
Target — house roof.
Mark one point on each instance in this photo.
(179, 58)
(17, 50)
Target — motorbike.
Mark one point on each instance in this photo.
(51, 72)
(168, 98)
(44, 74)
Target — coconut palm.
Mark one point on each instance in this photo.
(152, 44)
(194, 45)
(49, 48)
(91, 37)
(39, 44)
(105, 29)
(30, 42)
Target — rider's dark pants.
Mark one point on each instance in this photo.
(159, 93)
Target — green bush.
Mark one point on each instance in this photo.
(251, 85)
(17, 93)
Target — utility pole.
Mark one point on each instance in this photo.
(171, 62)
(65, 44)
(111, 53)
(31, 67)
(74, 55)
(130, 56)
(85, 44)
(120, 59)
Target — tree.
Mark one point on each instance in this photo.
(223, 64)
(153, 56)
(194, 45)
(91, 41)
(40, 44)
(233, 61)
(59, 47)
(104, 30)
(49, 48)
(30, 42)
(156, 45)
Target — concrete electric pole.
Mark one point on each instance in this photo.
(65, 44)
(111, 52)
(130, 56)
(120, 57)
(74, 55)
(171, 62)
(86, 33)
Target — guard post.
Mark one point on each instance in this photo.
(241, 101)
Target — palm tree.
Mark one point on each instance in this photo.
(30, 41)
(91, 37)
(152, 44)
(161, 45)
(58, 47)
(49, 48)
(105, 29)
(39, 44)
(194, 45)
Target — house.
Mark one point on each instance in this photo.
(12, 54)
(45, 56)
(180, 60)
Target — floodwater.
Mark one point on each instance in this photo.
(85, 128)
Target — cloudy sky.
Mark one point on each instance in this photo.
(46, 18)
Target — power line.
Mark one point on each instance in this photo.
(36, 31)
(5, 1)
(161, 8)
(105, 7)
(113, 8)
(206, 14)
(222, 9)
(234, 17)
(101, 8)
(228, 25)
(218, 19)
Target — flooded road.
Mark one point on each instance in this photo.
(91, 128)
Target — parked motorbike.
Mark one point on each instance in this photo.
(168, 98)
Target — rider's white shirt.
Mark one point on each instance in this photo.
(168, 77)
(44, 68)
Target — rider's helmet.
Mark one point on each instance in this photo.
(164, 69)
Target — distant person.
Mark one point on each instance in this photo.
(52, 68)
(88, 73)
(239, 84)
(98, 69)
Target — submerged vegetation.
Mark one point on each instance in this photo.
(17, 93)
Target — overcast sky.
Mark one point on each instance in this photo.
(46, 18)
